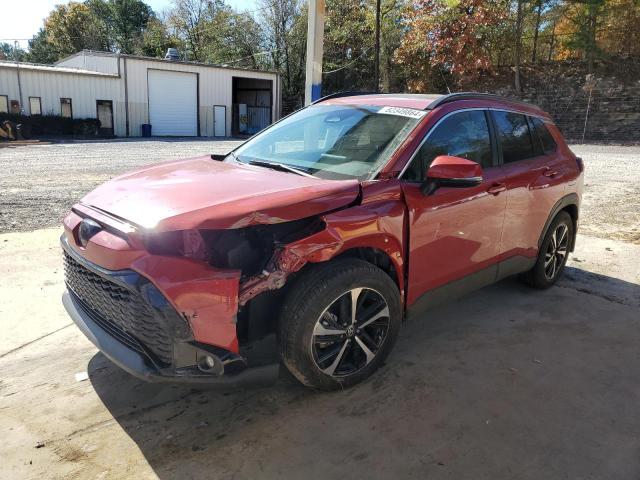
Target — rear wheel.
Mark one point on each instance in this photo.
(553, 253)
(339, 322)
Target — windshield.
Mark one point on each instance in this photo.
(333, 141)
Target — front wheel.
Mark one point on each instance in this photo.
(553, 253)
(338, 323)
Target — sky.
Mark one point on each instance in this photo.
(21, 19)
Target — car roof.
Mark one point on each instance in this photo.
(408, 100)
(430, 101)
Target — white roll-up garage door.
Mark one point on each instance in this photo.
(173, 103)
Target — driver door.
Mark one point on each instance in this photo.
(454, 233)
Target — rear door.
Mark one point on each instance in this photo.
(534, 179)
(454, 233)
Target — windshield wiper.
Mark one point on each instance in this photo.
(280, 166)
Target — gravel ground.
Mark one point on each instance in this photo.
(40, 183)
(611, 192)
(505, 383)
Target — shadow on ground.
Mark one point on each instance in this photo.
(506, 383)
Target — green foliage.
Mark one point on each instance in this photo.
(426, 45)
(123, 21)
(156, 39)
(73, 27)
(10, 52)
(41, 50)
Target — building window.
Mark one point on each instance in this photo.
(4, 104)
(35, 107)
(65, 108)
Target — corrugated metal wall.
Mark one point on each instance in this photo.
(215, 88)
(96, 63)
(51, 86)
(215, 85)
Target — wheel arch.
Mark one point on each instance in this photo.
(568, 203)
(375, 256)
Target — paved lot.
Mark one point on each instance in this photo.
(506, 383)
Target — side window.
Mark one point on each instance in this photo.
(463, 134)
(66, 109)
(548, 143)
(514, 135)
(35, 108)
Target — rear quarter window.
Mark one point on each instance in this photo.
(546, 139)
(515, 137)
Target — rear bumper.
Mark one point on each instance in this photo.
(140, 366)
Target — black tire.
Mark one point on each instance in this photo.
(538, 276)
(322, 290)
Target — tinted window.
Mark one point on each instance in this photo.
(548, 143)
(513, 132)
(464, 134)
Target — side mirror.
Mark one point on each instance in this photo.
(456, 172)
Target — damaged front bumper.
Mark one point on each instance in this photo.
(140, 365)
(129, 319)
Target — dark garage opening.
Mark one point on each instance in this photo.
(252, 105)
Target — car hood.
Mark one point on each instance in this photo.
(204, 193)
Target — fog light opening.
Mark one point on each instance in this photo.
(207, 363)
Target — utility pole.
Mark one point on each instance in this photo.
(376, 75)
(315, 39)
(15, 54)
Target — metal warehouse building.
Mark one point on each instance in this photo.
(124, 92)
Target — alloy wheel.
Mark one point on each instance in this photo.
(556, 253)
(350, 332)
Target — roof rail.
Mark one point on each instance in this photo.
(341, 94)
(454, 97)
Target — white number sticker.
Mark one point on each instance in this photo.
(402, 112)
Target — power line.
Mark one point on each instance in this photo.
(351, 62)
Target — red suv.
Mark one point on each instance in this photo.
(310, 243)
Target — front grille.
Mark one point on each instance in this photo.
(120, 311)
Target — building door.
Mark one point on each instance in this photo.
(105, 115)
(173, 103)
(219, 121)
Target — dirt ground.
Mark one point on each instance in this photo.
(505, 383)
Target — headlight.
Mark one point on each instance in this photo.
(184, 243)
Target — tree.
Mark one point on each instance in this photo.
(192, 21)
(349, 46)
(156, 39)
(450, 37)
(579, 28)
(10, 52)
(74, 27)
(619, 33)
(124, 21)
(41, 50)
(518, 35)
(284, 28)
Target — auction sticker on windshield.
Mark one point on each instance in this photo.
(403, 112)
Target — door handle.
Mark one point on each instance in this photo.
(496, 188)
(549, 172)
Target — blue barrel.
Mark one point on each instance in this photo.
(146, 130)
